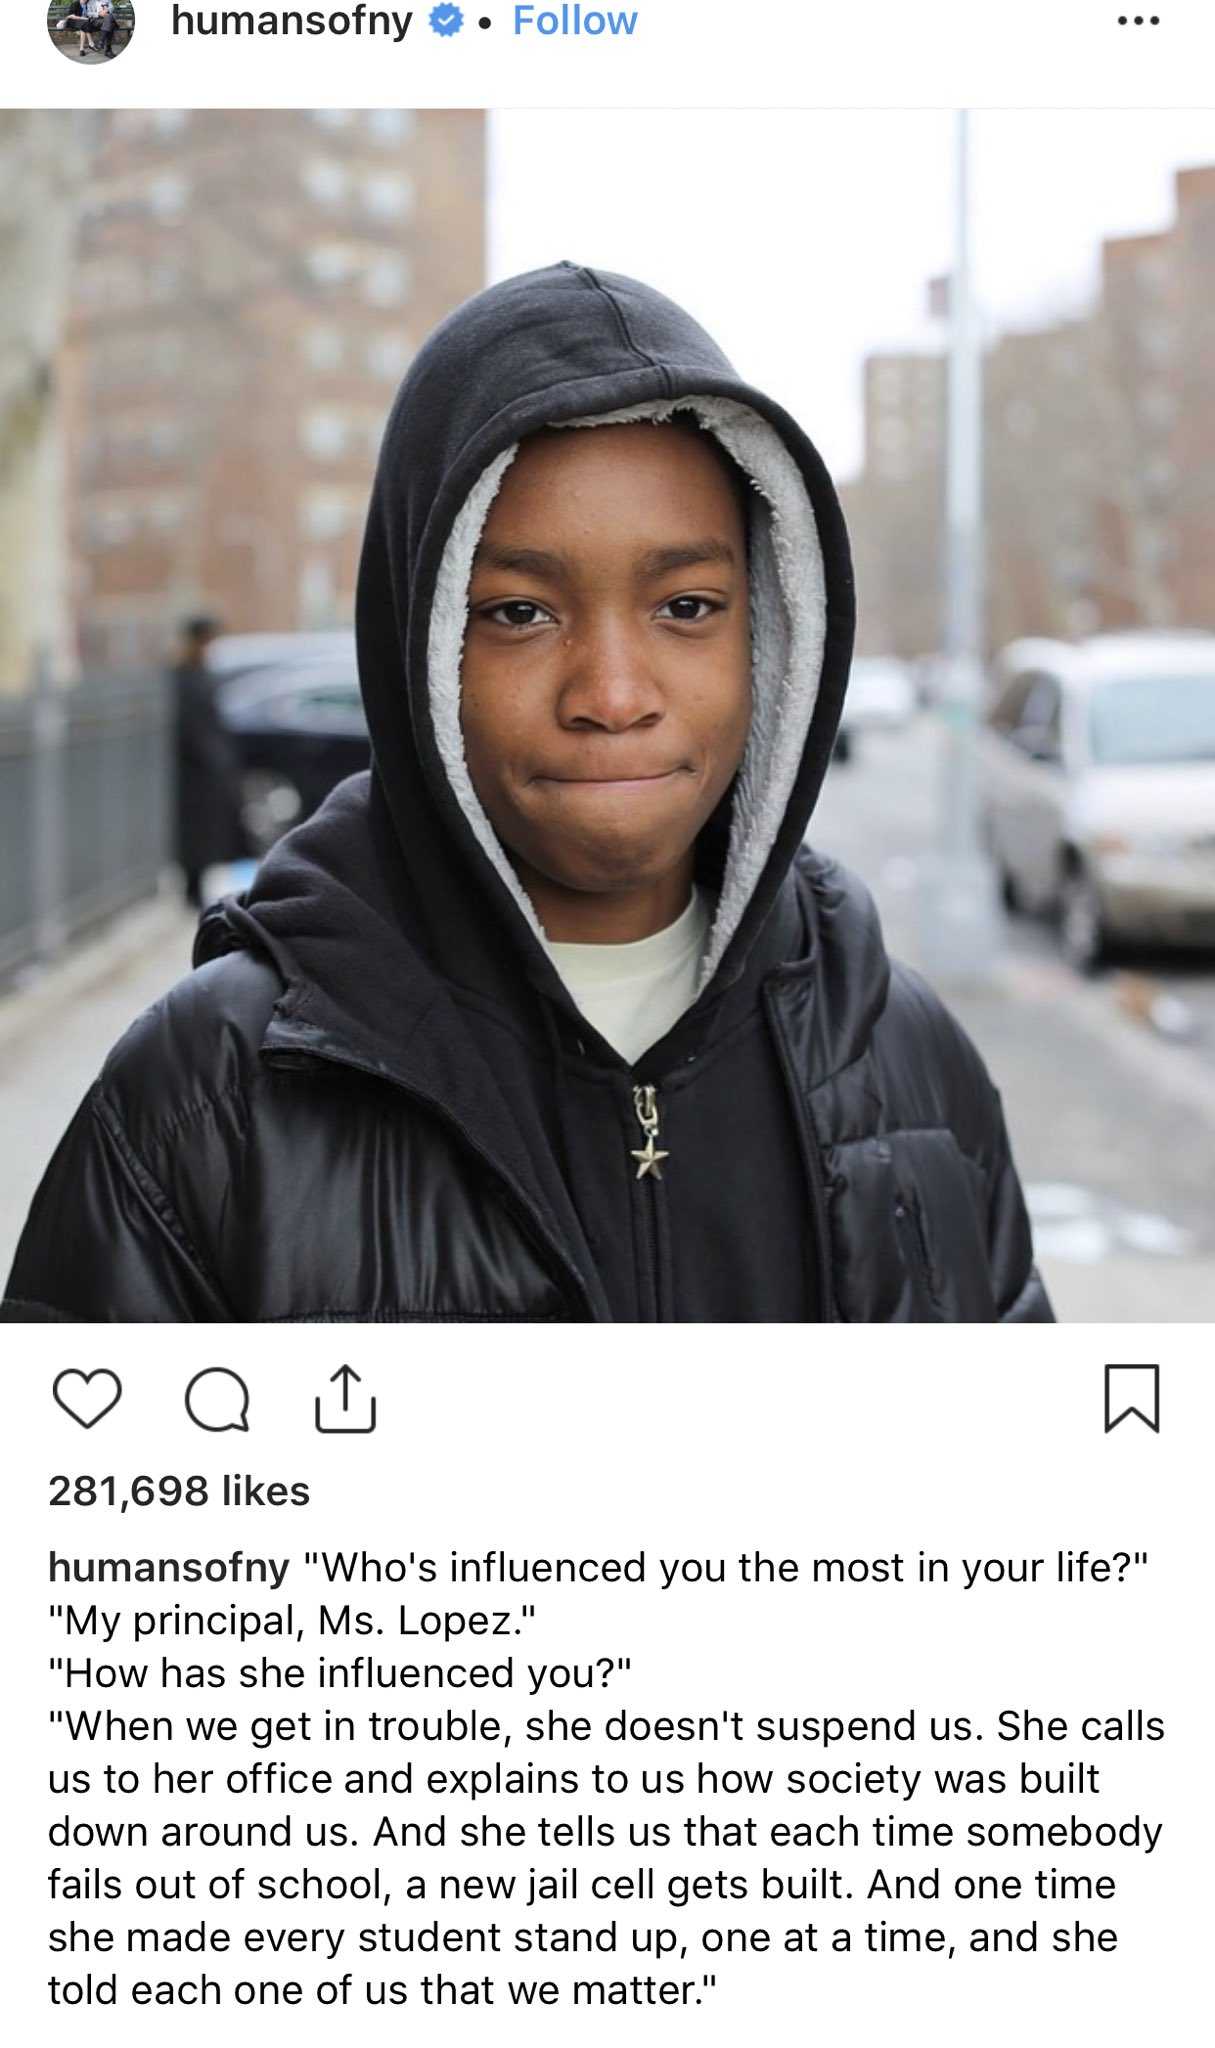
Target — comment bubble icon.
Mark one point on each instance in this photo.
(218, 1399)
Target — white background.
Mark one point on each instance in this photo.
(685, 53)
(696, 1443)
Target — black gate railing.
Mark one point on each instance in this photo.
(85, 809)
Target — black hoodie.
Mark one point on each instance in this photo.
(379, 1099)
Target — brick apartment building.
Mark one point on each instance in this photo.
(1099, 458)
(1138, 331)
(894, 508)
(249, 289)
(1190, 575)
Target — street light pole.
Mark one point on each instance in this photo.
(962, 925)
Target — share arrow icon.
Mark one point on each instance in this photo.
(346, 1423)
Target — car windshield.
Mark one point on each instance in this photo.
(1143, 719)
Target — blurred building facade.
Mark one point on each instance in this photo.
(40, 153)
(1099, 458)
(249, 289)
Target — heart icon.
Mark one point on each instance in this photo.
(87, 1396)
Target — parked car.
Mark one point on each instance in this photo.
(297, 715)
(239, 654)
(1097, 770)
(881, 693)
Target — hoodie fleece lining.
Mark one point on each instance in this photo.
(788, 632)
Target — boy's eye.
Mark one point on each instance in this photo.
(518, 612)
(688, 611)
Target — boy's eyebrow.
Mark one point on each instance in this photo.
(657, 562)
(528, 561)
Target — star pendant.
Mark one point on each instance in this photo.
(649, 1160)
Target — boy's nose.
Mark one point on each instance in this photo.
(608, 683)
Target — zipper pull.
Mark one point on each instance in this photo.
(645, 1103)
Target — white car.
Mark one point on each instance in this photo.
(1097, 768)
(881, 693)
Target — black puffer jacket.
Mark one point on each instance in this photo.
(374, 1099)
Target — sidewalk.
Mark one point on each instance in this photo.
(56, 1030)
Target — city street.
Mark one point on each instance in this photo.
(1112, 1122)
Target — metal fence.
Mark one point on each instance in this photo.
(85, 809)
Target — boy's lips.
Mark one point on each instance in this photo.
(612, 781)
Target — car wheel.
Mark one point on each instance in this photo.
(1081, 924)
(1010, 891)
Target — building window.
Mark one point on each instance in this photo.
(317, 594)
(166, 354)
(165, 512)
(1156, 340)
(109, 523)
(106, 284)
(324, 515)
(329, 262)
(1156, 404)
(164, 281)
(323, 348)
(388, 196)
(167, 196)
(1156, 544)
(386, 281)
(324, 180)
(388, 356)
(390, 124)
(324, 435)
(162, 438)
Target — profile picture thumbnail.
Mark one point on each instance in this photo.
(90, 31)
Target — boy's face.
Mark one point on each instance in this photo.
(606, 680)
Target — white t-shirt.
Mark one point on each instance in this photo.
(633, 994)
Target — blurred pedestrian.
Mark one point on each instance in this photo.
(208, 765)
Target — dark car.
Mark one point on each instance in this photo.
(292, 703)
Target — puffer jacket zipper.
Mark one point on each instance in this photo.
(649, 1158)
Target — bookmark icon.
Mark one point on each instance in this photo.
(1132, 1390)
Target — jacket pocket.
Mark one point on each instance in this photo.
(923, 1280)
(909, 1231)
(946, 1230)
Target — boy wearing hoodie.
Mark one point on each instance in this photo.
(553, 1016)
